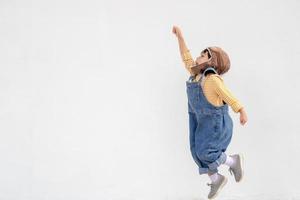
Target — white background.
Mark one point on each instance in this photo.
(93, 102)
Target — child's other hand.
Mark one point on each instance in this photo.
(243, 116)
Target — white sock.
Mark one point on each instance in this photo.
(214, 177)
(229, 161)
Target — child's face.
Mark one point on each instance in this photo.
(202, 58)
(201, 61)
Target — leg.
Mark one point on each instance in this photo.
(211, 159)
(212, 151)
(192, 131)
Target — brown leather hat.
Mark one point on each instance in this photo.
(218, 60)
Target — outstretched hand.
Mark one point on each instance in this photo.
(243, 116)
(176, 30)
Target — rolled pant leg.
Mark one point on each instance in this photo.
(212, 159)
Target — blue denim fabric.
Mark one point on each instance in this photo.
(210, 129)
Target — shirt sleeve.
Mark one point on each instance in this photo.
(188, 61)
(225, 94)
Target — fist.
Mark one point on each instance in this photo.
(243, 117)
(176, 30)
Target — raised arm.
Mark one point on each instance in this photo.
(184, 51)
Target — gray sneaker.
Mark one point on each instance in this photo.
(237, 169)
(217, 186)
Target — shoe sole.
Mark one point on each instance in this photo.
(242, 167)
(221, 187)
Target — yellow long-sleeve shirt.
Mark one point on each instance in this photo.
(213, 87)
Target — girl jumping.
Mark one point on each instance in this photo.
(210, 125)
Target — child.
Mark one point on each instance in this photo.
(210, 125)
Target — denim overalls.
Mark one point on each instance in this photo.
(210, 128)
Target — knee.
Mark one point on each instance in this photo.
(206, 156)
(202, 155)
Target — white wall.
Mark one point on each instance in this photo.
(93, 102)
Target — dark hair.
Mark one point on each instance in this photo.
(205, 50)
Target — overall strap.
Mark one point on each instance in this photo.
(210, 69)
(204, 74)
(206, 70)
(191, 78)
